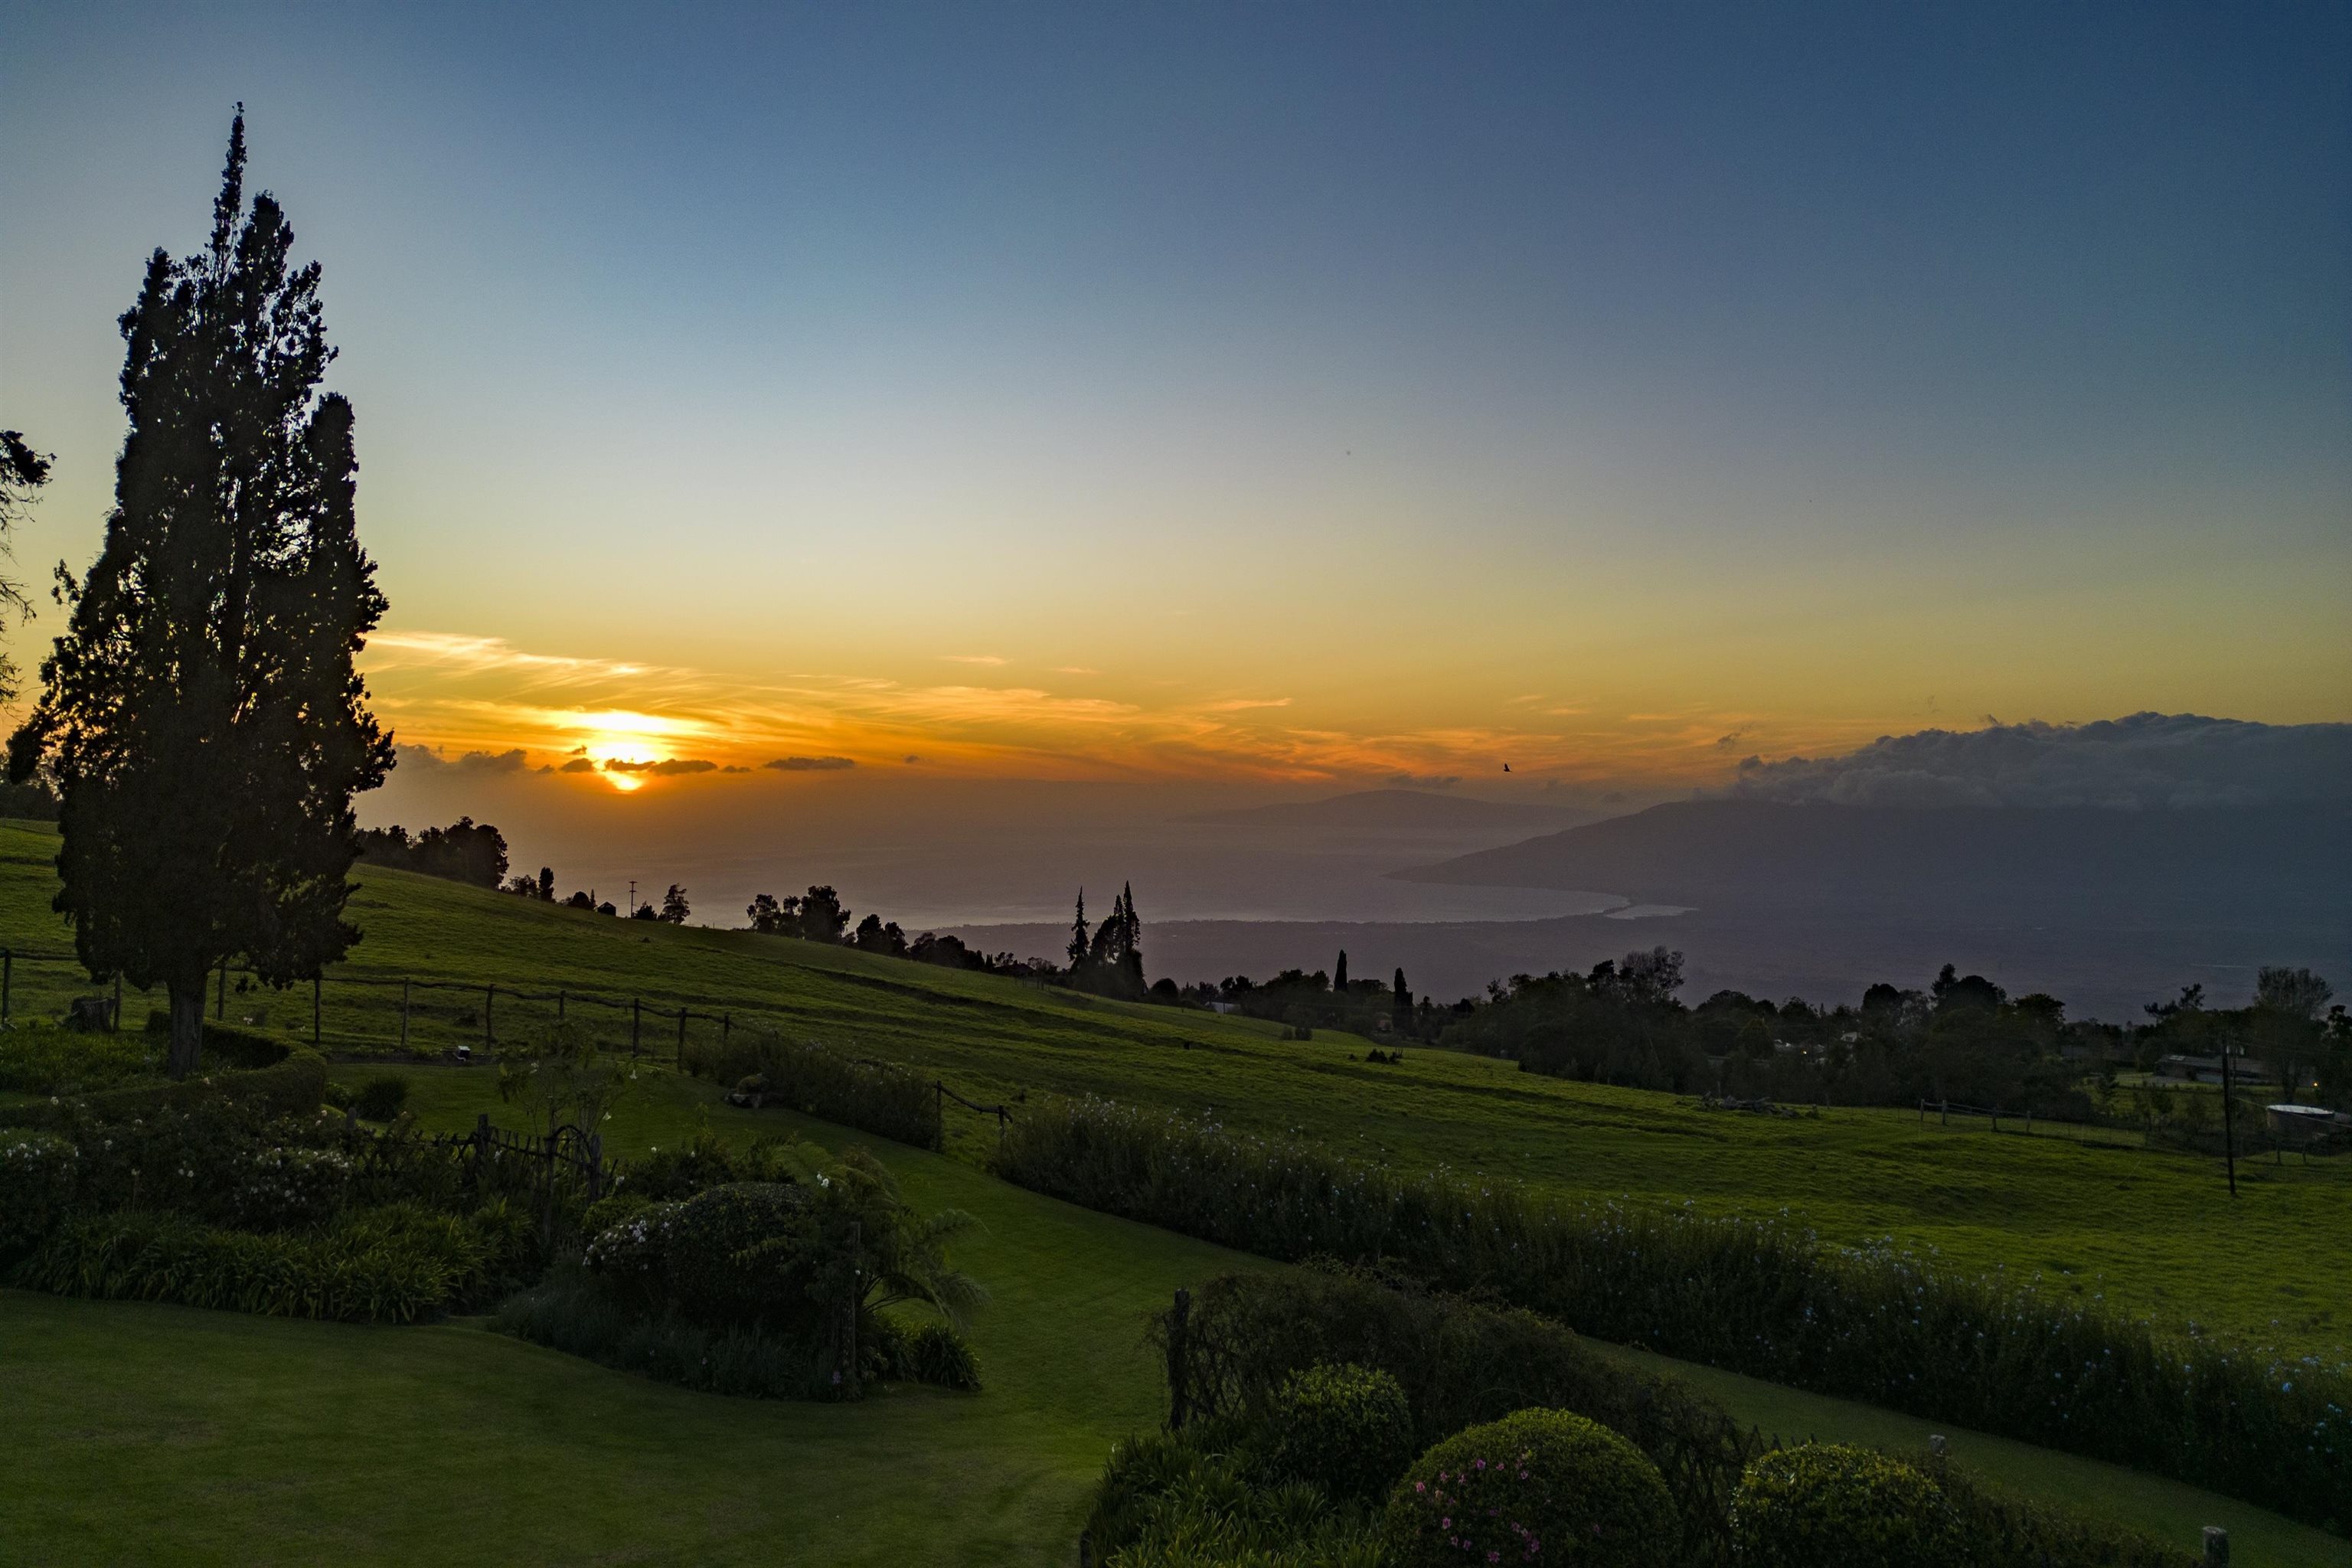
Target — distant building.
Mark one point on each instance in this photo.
(2207, 1069)
(2305, 1123)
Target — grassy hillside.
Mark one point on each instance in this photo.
(142, 1431)
(2155, 1231)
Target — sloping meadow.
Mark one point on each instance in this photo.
(1872, 1324)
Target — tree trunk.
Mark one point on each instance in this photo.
(187, 1026)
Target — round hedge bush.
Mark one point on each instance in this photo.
(1829, 1506)
(730, 1262)
(1347, 1429)
(1542, 1485)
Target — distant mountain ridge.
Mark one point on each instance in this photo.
(1398, 810)
(2069, 865)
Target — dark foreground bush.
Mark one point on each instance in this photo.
(1878, 1326)
(1347, 1429)
(890, 1101)
(37, 1188)
(380, 1098)
(1198, 1500)
(1460, 1363)
(582, 1315)
(1542, 1485)
(393, 1264)
(1831, 1506)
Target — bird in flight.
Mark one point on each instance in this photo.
(1507, 767)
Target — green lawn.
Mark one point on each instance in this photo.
(2153, 1231)
(140, 1432)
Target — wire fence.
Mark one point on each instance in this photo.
(2252, 1137)
(411, 1014)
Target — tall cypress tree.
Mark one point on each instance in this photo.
(205, 722)
(1131, 956)
(1339, 974)
(1081, 943)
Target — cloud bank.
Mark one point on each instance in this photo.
(811, 765)
(2144, 762)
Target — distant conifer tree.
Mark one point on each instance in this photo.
(1339, 972)
(547, 884)
(201, 713)
(1081, 942)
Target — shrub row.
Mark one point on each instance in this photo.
(1870, 1324)
(37, 1058)
(391, 1265)
(295, 1085)
(887, 1100)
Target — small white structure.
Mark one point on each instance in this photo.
(2303, 1123)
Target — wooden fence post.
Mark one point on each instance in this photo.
(1178, 1320)
(1085, 1549)
(220, 996)
(845, 1369)
(2217, 1547)
(726, 1026)
(559, 1005)
(595, 1166)
(403, 1012)
(681, 1039)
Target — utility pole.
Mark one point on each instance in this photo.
(631, 912)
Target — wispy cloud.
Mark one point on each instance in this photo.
(988, 658)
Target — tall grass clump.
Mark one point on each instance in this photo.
(888, 1101)
(1875, 1324)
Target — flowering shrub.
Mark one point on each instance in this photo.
(1542, 1485)
(284, 1189)
(1875, 1324)
(37, 1173)
(1347, 1429)
(1831, 1506)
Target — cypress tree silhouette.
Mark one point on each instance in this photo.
(1339, 972)
(1081, 943)
(205, 723)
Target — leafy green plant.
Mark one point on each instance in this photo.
(380, 1098)
(1194, 1499)
(1540, 1486)
(1347, 1429)
(582, 1314)
(937, 1354)
(37, 1175)
(1832, 1506)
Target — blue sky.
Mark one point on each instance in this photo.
(1290, 390)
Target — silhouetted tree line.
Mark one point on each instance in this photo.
(465, 851)
(1308, 1000)
(1108, 960)
(1964, 1039)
